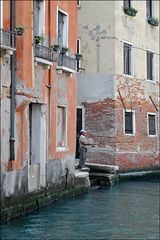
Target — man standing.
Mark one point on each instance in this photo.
(83, 143)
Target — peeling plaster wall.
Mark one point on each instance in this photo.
(5, 108)
(103, 26)
(36, 84)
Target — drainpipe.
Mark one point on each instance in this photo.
(12, 88)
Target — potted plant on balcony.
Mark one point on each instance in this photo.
(19, 30)
(130, 11)
(38, 39)
(55, 47)
(64, 50)
(153, 21)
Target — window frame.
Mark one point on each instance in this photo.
(153, 114)
(133, 122)
(65, 147)
(153, 67)
(132, 59)
(67, 26)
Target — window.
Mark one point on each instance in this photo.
(78, 51)
(149, 8)
(127, 3)
(78, 3)
(39, 17)
(62, 29)
(128, 59)
(151, 124)
(150, 66)
(129, 122)
(61, 127)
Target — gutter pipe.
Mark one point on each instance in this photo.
(12, 88)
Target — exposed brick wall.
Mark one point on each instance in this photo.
(100, 124)
(104, 121)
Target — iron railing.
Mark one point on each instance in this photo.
(43, 52)
(66, 61)
(7, 39)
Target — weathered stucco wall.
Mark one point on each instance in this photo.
(38, 92)
(103, 81)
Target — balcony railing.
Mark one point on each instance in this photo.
(7, 39)
(43, 52)
(66, 62)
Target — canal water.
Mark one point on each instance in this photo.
(128, 210)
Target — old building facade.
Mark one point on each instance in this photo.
(118, 81)
(38, 95)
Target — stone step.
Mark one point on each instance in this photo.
(102, 168)
(81, 174)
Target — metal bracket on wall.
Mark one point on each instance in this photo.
(153, 103)
(121, 99)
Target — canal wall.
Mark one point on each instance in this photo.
(18, 205)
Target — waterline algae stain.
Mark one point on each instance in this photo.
(129, 210)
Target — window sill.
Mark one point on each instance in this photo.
(151, 81)
(152, 136)
(62, 149)
(128, 76)
(129, 134)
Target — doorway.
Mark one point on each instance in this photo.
(37, 146)
(80, 125)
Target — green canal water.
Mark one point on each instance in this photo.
(128, 210)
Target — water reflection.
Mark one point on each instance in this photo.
(129, 210)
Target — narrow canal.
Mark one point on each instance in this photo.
(128, 210)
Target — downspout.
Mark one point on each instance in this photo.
(12, 88)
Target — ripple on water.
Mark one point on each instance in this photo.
(129, 210)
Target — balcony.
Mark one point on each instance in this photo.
(43, 54)
(66, 63)
(7, 42)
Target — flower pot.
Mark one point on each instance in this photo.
(56, 48)
(64, 50)
(19, 31)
